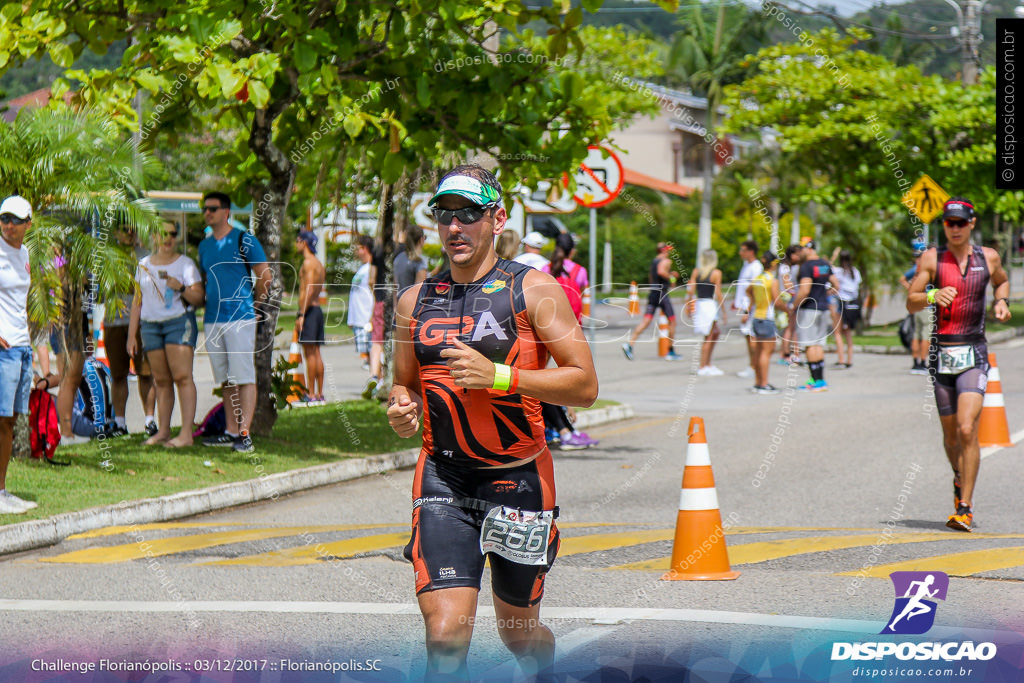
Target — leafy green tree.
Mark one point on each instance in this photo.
(83, 181)
(706, 58)
(405, 81)
(868, 129)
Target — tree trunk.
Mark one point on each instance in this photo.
(270, 203)
(386, 228)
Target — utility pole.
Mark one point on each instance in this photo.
(969, 32)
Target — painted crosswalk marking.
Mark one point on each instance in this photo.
(312, 544)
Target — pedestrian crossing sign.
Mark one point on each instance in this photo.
(927, 197)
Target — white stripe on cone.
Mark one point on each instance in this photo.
(697, 455)
(698, 499)
(993, 374)
(993, 401)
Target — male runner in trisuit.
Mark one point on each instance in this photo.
(953, 278)
(471, 350)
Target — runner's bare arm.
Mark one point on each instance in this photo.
(916, 299)
(1000, 285)
(404, 402)
(665, 268)
(574, 381)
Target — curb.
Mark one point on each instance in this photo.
(40, 533)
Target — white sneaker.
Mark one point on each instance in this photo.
(746, 373)
(703, 372)
(714, 371)
(73, 440)
(13, 500)
(9, 507)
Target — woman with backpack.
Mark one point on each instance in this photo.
(572, 276)
(574, 280)
(169, 289)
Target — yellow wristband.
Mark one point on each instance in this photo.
(502, 377)
(930, 296)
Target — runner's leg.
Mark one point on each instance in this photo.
(448, 615)
(530, 641)
(968, 412)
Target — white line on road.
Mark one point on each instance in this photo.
(599, 615)
(992, 450)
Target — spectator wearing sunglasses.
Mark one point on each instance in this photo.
(169, 289)
(471, 351)
(954, 278)
(15, 342)
(227, 259)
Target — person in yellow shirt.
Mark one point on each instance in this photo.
(763, 292)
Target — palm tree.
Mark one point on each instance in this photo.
(84, 181)
(705, 60)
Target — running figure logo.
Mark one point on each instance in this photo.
(913, 612)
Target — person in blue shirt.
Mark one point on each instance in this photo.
(228, 260)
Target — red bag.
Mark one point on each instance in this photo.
(45, 428)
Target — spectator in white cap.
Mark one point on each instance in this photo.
(15, 342)
(532, 244)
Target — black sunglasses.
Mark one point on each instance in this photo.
(212, 208)
(13, 220)
(466, 215)
(954, 223)
(172, 233)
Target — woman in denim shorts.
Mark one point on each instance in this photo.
(169, 289)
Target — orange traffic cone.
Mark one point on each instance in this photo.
(664, 343)
(101, 347)
(586, 302)
(298, 374)
(634, 299)
(993, 429)
(698, 552)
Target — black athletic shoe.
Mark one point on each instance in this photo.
(243, 444)
(222, 440)
(152, 428)
(117, 433)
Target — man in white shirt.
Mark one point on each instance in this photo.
(532, 244)
(750, 270)
(15, 343)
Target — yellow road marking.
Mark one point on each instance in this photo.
(166, 546)
(752, 553)
(159, 526)
(955, 564)
(596, 542)
(311, 554)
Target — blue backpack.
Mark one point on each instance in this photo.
(94, 400)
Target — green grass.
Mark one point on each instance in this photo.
(601, 403)
(302, 437)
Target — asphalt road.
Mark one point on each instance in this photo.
(840, 463)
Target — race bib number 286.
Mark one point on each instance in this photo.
(517, 535)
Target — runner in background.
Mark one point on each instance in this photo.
(705, 301)
(761, 293)
(661, 278)
(924, 320)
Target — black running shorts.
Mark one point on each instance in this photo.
(949, 387)
(445, 544)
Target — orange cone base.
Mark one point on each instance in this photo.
(673, 575)
(699, 552)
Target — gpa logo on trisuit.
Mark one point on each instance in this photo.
(914, 611)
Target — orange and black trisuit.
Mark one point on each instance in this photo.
(960, 323)
(468, 432)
